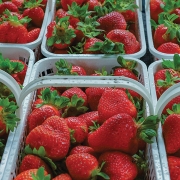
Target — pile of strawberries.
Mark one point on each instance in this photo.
(8, 120)
(21, 20)
(94, 27)
(87, 133)
(165, 22)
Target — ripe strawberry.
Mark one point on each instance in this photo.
(78, 129)
(53, 135)
(66, 3)
(83, 166)
(121, 132)
(18, 3)
(174, 164)
(113, 102)
(33, 174)
(155, 9)
(131, 45)
(8, 119)
(60, 33)
(33, 162)
(126, 68)
(60, 13)
(82, 149)
(169, 48)
(90, 117)
(111, 21)
(8, 5)
(118, 165)
(64, 176)
(34, 11)
(93, 4)
(51, 104)
(33, 35)
(65, 68)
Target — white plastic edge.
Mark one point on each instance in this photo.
(67, 81)
(139, 54)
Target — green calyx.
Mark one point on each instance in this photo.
(13, 19)
(52, 98)
(5, 92)
(102, 72)
(79, 12)
(94, 127)
(97, 172)
(170, 5)
(7, 114)
(9, 66)
(175, 109)
(64, 68)
(62, 34)
(75, 107)
(40, 153)
(175, 64)
(169, 80)
(78, 48)
(108, 47)
(147, 128)
(40, 175)
(32, 3)
(89, 27)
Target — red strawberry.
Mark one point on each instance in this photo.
(82, 166)
(82, 149)
(93, 96)
(131, 45)
(121, 132)
(33, 35)
(33, 162)
(32, 174)
(169, 48)
(53, 135)
(66, 3)
(127, 68)
(8, 5)
(8, 119)
(63, 177)
(113, 102)
(60, 13)
(51, 105)
(93, 4)
(78, 129)
(18, 3)
(111, 21)
(174, 165)
(118, 165)
(171, 130)
(65, 68)
(35, 12)
(90, 117)
(155, 9)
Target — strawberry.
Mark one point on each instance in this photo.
(61, 33)
(126, 68)
(118, 165)
(66, 3)
(83, 166)
(170, 130)
(64, 176)
(93, 96)
(18, 3)
(65, 68)
(174, 164)
(169, 48)
(8, 119)
(155, 9)
(121, 132)
(51, 104)
(60, 13)
(90, 117)
(78, 129)
(93, 4)
(33, 35)
(111, 21)
(53, 135)
(82, 149)
(33, 174)
(113, 102)
(34, 11)
(16, 68)
(8, 5)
